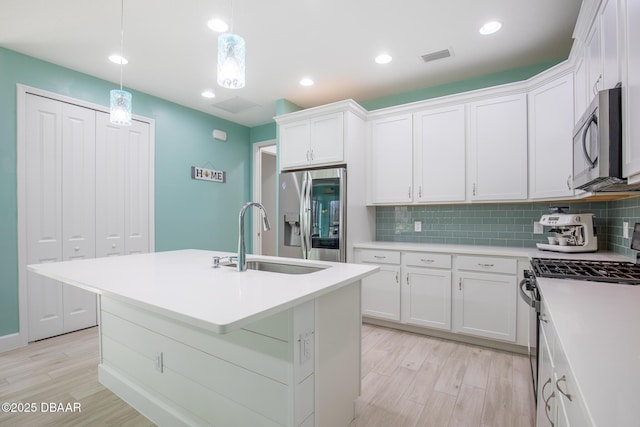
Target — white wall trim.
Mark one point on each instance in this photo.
(256, 228)
(20, 339)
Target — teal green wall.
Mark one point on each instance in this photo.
(504, 77)
(263, 132)
(188, 213)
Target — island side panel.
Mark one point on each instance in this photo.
(176, 374)
(338, 341)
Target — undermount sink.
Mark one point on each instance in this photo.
(277, 267)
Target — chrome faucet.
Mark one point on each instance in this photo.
(242, 252)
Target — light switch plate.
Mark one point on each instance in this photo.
(625, 230)
(417, 226)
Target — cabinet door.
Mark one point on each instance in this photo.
(440, 155)
(426, 297)
(294, 140)
(381, 293)
(498, 148)
(594, 61)
(546, 408)
(327, 139)
(580, 88)
(485, 305)
(390, 160)
(610, 56)
(631, 87)
(551, 139)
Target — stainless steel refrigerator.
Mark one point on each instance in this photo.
(312, 214)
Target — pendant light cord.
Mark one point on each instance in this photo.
(121, 40)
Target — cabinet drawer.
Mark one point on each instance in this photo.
(488, 264)
(426, 259)
(379, 257)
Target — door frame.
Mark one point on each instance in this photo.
(21, 338)
(256, 228)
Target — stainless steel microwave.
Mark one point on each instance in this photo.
(597, 144)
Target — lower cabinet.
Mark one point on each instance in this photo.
(381, 291)
(559, 405)
(471, 295)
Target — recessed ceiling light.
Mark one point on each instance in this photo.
(218, 25)
(490, 28)
(208, 94)
(306, 82)
(383, 58)
(117, 59)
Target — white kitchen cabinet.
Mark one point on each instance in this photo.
(440, 155)
(546, 412)
(60, 211)
(485, 298)
(630, 12)
(580, 88)
(610, 46)
(381, 291)
(551, 139)
(122, 187)
(593, 55)
(390, 156)
(426, 292)
(312, 142)
(498, 148)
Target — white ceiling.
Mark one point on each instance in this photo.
(172, 52)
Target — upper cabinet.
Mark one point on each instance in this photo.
(318, 136)
(312, 142)
(439, 155)
(498, 148)
(631, 88)
(551, 139)
(390, 156)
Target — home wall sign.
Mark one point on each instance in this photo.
(205, 174)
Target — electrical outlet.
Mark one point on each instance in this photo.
(537, 228)
(625, 230)
(417, 226)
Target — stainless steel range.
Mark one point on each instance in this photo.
(597, 271)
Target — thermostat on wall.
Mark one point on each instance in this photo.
(220, 135)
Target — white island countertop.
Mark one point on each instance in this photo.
(597, 326)
(183, 285)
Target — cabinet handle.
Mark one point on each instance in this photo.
(427, 260)
(77, 248)
(420, 191)
(567, 395)
(397, 281)
(460, 283)
(379, 256)
(542, 319)
(474, 188)
(595, 85)
(569, 182)
(308, 155)
(547, 406)
(485, 265)
(311, 154)
(409, 192)
(407, 279)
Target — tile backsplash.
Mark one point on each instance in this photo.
(500, 224)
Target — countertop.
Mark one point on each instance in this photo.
(183, 285)
(505, 251)
(597, 327)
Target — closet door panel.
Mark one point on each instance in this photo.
(137, 188)
(110, 190)
(43, 213)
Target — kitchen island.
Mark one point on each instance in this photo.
(188, 344)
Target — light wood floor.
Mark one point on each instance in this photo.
(408, 380)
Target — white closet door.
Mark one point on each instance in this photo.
(78, 209)
(43, 213)
(136, 224)
(110, 195)
(122, 187)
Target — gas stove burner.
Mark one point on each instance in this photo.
(598, 271)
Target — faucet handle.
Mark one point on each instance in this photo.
(225, 260)
(216, 262)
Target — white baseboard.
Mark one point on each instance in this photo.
(11, 341)
(155, 409)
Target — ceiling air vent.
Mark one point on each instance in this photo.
(445, 53)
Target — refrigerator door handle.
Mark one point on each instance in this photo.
(304, 215)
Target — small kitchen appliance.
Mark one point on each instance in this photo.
(571, 233)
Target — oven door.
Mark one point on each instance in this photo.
(530, 294)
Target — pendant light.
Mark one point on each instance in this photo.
(121, 99)
(231, 57)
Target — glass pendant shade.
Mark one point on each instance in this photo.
(231, 55)
(120, 107)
